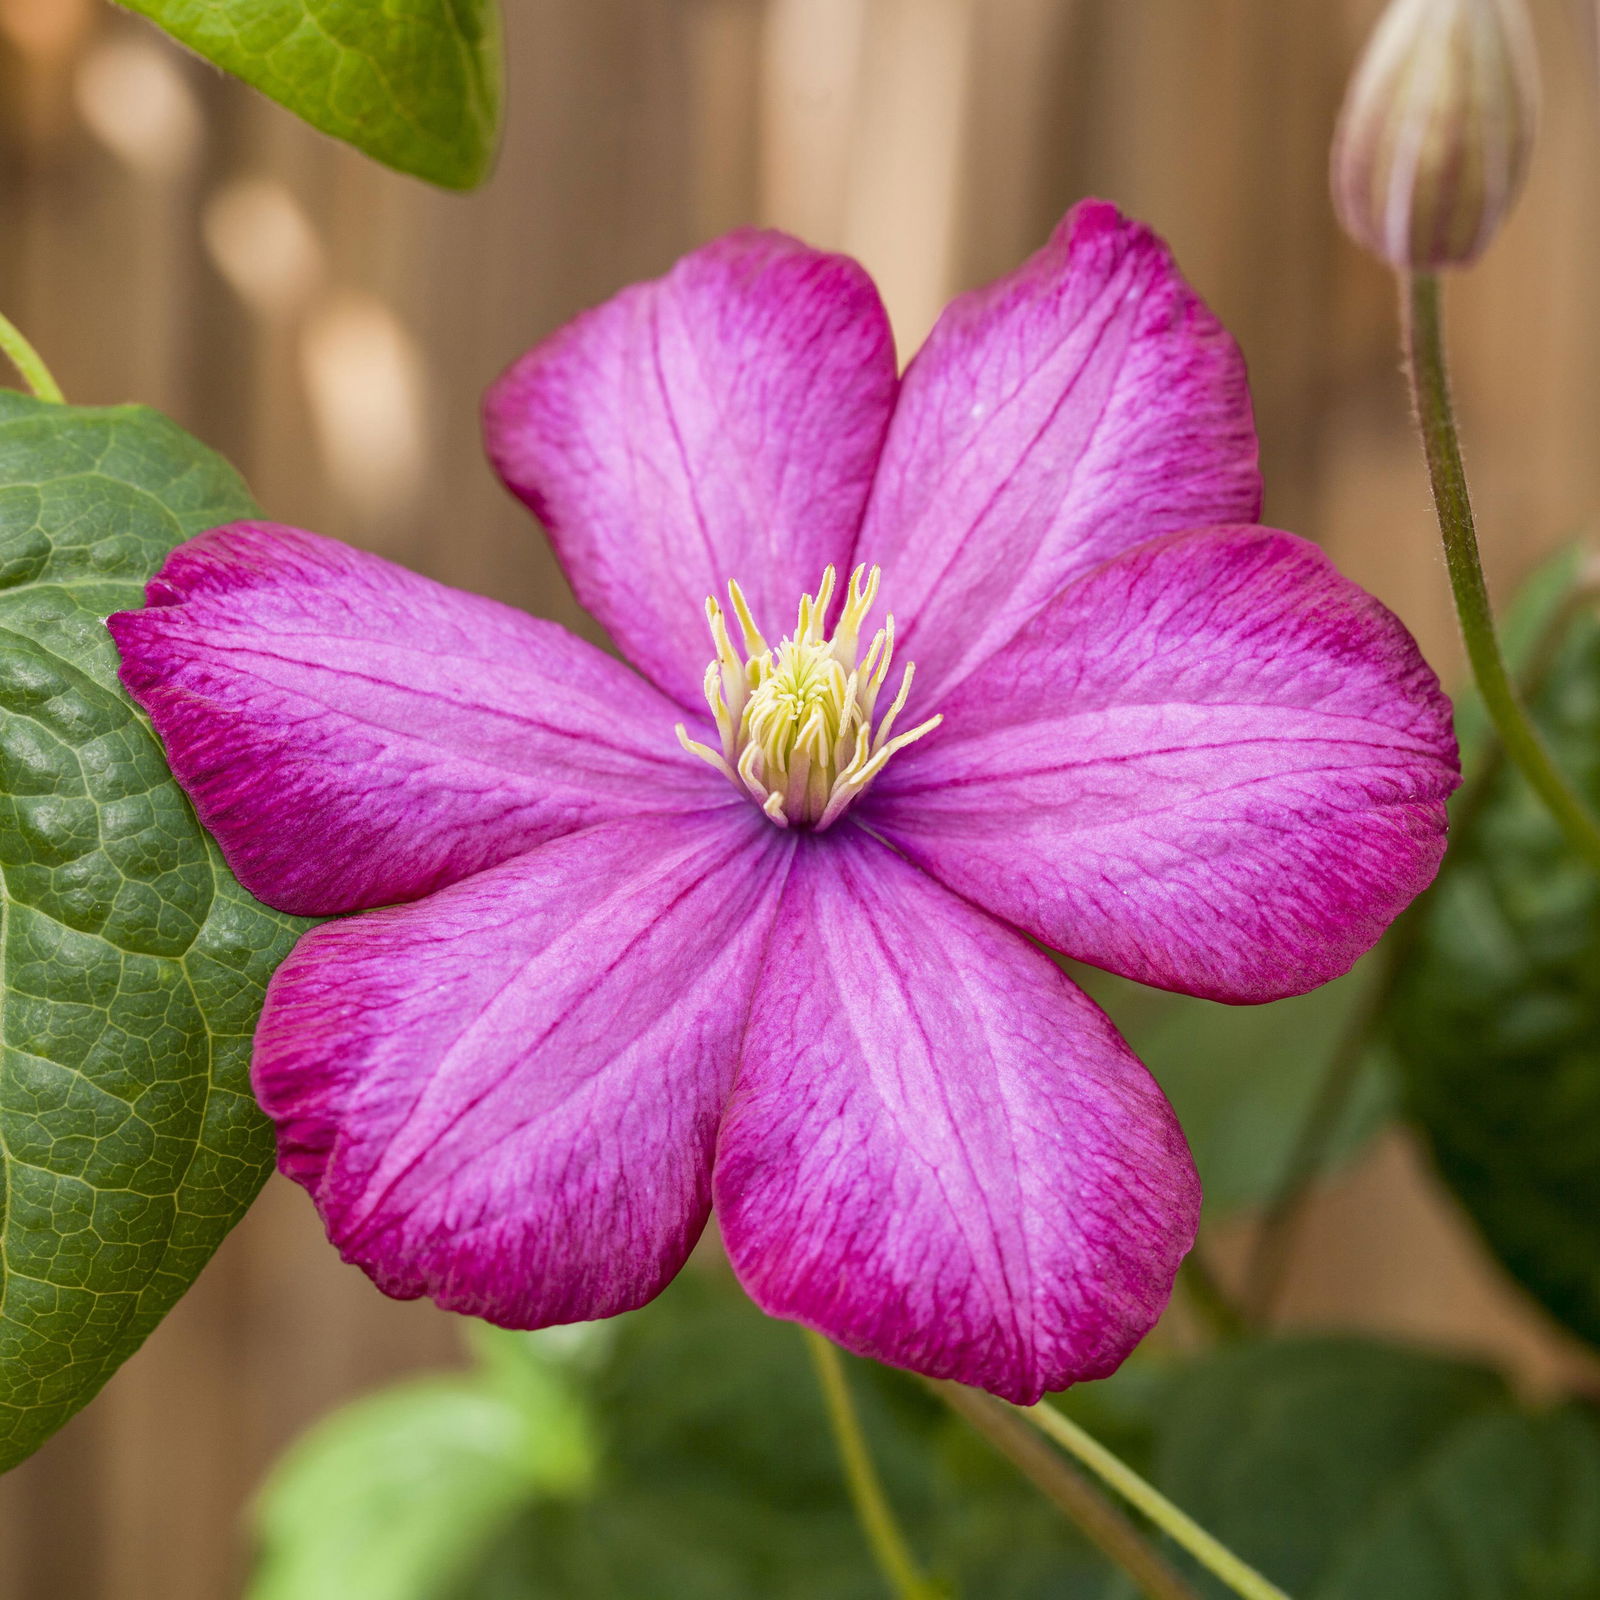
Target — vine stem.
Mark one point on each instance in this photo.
(1183, 1530)
(1269, 1260)
(1265, 1272)
(41, 385)
(1100, 1522)
(888, 1544)
(1423, 342)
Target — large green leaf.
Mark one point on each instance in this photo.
(1347, 1470)
(1496, 1015)
(414, 83)
(131, 964)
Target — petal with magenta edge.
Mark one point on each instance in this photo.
(1213, 765)
(506, 1096)
(939, 1152)
(1083, 404)
(354, 734)
(723, 422)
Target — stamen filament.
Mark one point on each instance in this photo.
(695, 748)
(796, 722)
(754, 644)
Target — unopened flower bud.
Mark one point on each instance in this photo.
(1436, 130)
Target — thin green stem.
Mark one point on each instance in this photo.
(1100, 1522)
(1263, 1279)
(1430, 390)
(883, 1535)
(1475, 792)
(1274, 1242)
(27, 362)
(1182, 1530)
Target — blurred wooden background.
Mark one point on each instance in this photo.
(166, 236)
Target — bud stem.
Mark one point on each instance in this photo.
(1430, 392)
(26, 360)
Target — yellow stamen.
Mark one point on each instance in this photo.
(796, 722)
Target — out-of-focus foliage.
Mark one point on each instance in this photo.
(1347, 1470)
(415, 84)
(683, 1451)
(1243, 1079)
(714, 1477)
(1496, 1013)
(132, 965)
(395, 1496)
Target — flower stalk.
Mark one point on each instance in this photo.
(41, 384)
(890, 1549)
(1095, 1517)
(1183, 1530)
(1423, 342)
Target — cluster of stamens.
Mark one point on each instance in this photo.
(796, 722)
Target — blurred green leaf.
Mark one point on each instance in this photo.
(1508, 1508)
(1243, 1079)
(415, 84)
(392, 1497)
(1348, 1470)
(132, 966)
(720, 1480)
(708, 1473)
(1495, 1015)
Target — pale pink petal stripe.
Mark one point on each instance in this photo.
(354, 734)
(1214, 765)
(506, 1096)
(720, 423)
(939, 1153)
(1083, 404)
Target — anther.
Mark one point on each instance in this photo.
(796, 722)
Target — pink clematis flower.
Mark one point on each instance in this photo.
(757, 934)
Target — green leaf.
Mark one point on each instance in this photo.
(394, 1496)
(131, 964)
(714, 1477)
(1496, 1013)
(1514, 1501)
(1348, 1470)
(1243, 1079)
(415, 84)
(719, 1479)
(722, 1478)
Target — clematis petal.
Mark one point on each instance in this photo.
(506, 1096)
(722, 422)
(355, 734)
(939, 1152)
(1084, 404)
(1214, 765)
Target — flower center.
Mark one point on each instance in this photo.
(796, 722)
